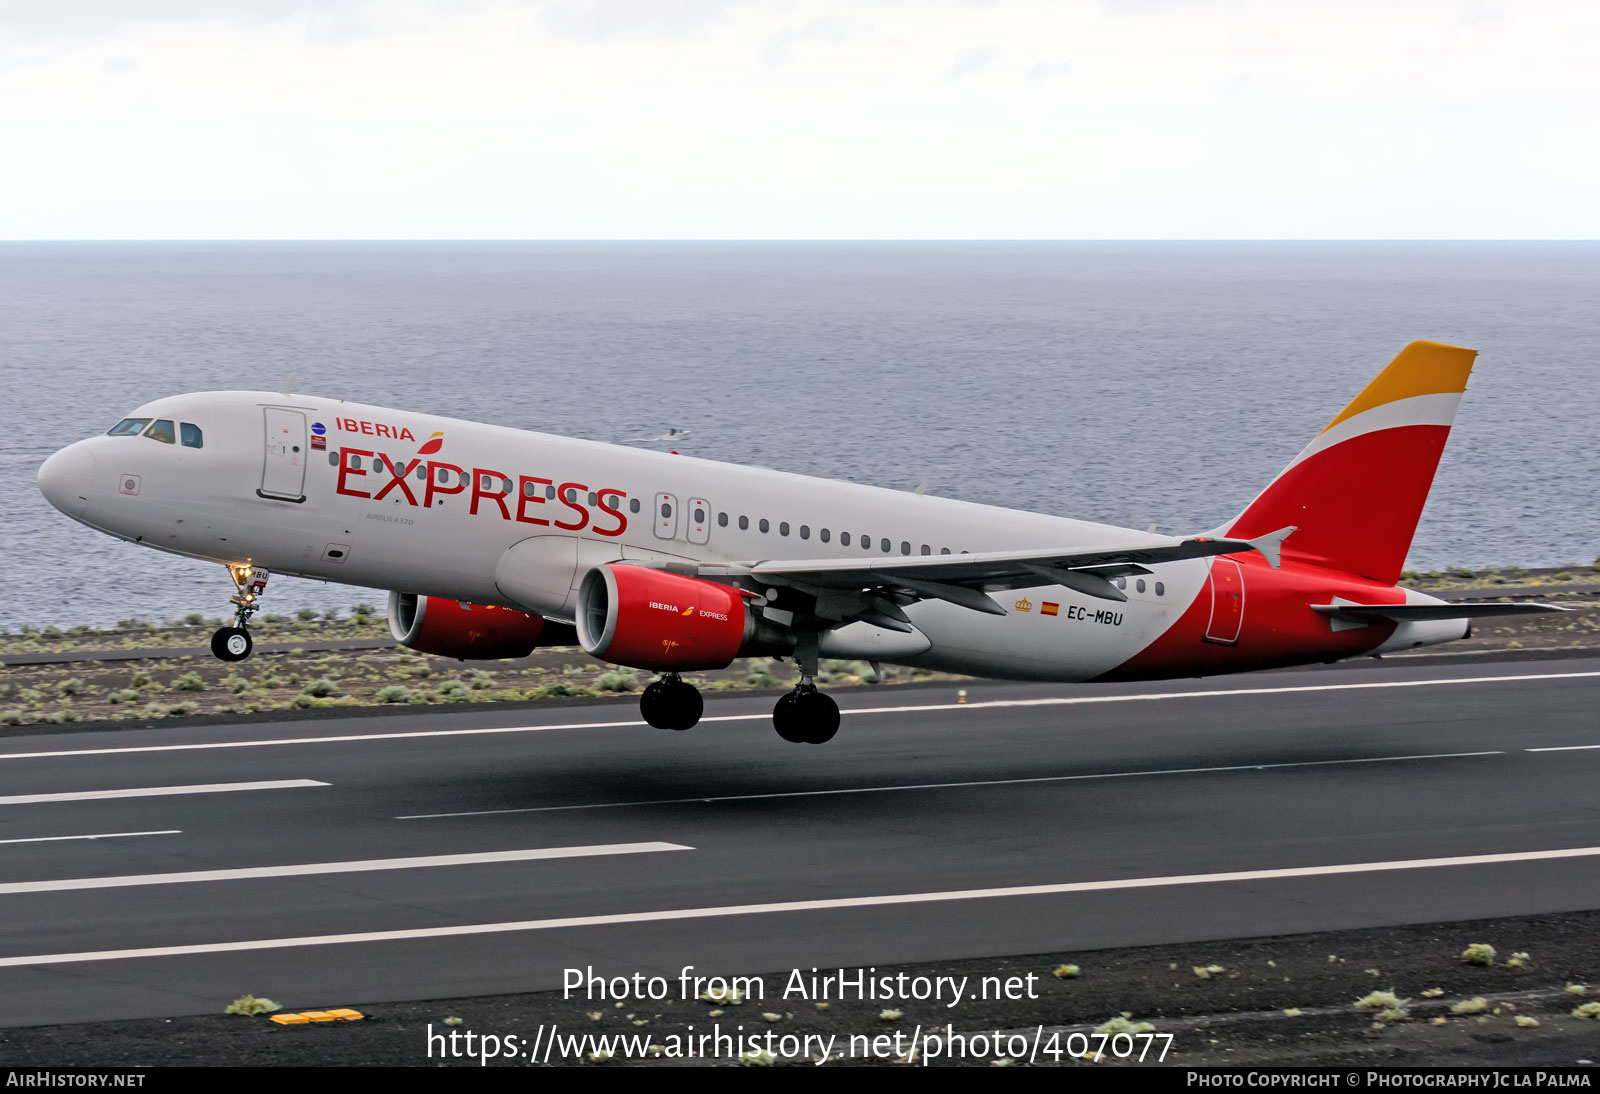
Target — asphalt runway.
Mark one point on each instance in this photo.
(466, 852)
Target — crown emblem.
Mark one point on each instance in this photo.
(1024, 605)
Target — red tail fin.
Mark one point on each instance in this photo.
(1357, 490)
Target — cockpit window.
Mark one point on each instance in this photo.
(161, 430)
(192, 437)
(128, 427)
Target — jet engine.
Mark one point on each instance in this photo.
(479, 632)
(666, 622)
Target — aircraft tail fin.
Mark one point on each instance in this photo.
(1356, 492)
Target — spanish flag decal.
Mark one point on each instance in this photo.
(1049, 607)
(431, 445)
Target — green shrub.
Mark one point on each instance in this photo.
(12, 717)
(303, 700)
(71, 686)
(551, 691)
(195, 619)
(394, 693)
(617, 680)
(453, 690)
(481, 680)
(306, 615)
(130, 695)
(189, 681)
(178, 710)
(419, 669)
(363, 609)
(30, 695)
(140, 679)
(321, 688)
(237, 684)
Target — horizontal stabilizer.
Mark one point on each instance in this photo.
(1423, 612)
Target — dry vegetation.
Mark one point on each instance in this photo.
(309, 676)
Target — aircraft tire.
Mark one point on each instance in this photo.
(232, 644)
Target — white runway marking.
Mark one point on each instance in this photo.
(952, 785)
(463, 930)
(635, 723)
(1563, 748)
(157, 791)
(355, 866)
(97, 835)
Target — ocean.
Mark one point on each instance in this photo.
(1133, 383)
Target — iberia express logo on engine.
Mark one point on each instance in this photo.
(492, 489)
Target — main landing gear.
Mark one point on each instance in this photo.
(806, 716)
(234, 643)
(669, 703)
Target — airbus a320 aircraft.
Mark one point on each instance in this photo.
(498, 540)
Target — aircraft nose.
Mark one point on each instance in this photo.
(65, 477)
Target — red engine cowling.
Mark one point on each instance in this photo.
(649, 619)
(480, 632)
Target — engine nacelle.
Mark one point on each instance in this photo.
(665, 622)
(479, 632)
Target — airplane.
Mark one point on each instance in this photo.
(495, 541)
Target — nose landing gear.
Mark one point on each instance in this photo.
(234, 643)
(669, 703)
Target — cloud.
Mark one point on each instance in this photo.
(812, 118)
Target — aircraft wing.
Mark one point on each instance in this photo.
(882, 584)
(1423, 612)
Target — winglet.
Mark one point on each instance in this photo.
(1269, 545)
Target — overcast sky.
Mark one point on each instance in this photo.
(1015, 119)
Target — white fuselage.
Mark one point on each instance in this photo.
(261, 490)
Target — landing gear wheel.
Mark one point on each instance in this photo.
(684, 704)
(669, 703)
(806, 716)
(232, 643)
(652, 707)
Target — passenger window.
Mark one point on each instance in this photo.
(594, 499)
(744, 524)
(783, 528)
(844, 539)
(1161, 590)
(633, 505)
(764, 525)
(161, 430)
(944, 550)
(866, 543)
(128, 427)
(529, 489)
(823, 535)
(1122, 583)
(333, 459)
(722, 520)
(355, 463)
(550, 492)
(886, 545)
(805, 531)
(666, 509)
(926, 549)
(192, 437)
(905, 548)
(1140, 585)
(699, 515)
(422, 472)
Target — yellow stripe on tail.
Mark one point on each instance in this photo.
(1422, 368)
